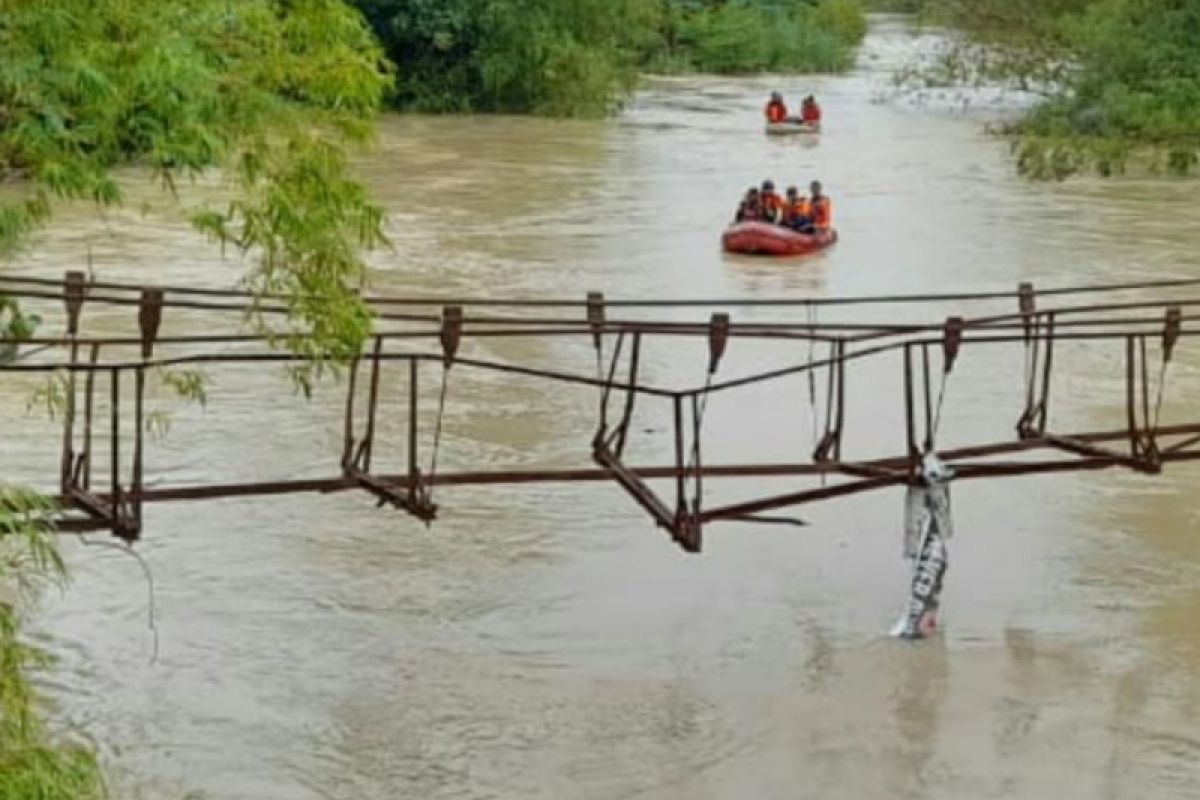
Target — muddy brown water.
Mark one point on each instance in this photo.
(547, 641)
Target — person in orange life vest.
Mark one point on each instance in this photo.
(772, 203)
(809, 110)
(797, 214)
(776, 111)
(822, 208)
(750, 209)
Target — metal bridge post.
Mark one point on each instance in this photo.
(74, 291)
(595, 318)
(362, 457)
(1026, 303)
(81, 475)
(149, 321)
(348, 426)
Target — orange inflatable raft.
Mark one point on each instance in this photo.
(765, 239)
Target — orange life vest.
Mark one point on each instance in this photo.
(800, 208)
(810, 112)
(822, 212)
(776, 111)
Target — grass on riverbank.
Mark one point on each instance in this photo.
(33, 764)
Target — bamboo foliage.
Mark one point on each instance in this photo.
(270, 92)
(33, 765)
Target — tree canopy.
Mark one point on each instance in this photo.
(267, 91)
(580, 57)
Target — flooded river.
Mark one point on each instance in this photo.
(548, 642)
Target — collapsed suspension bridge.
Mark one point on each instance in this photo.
(421, 335)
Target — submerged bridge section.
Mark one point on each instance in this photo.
(420, 338)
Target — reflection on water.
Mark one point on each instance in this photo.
(546, 641)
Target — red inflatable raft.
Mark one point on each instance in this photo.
(765, 239)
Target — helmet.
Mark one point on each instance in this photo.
(768, 185)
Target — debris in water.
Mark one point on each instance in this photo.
(927, 526)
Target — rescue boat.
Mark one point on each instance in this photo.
(790, 127)
(765, 239)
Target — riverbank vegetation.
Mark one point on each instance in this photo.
(581, 57)
(268, 94)
(271, 92)
(33, 764)
(739, 38)
(1120, 78)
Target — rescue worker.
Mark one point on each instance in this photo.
(797, 213)
(750, 209)
(772, 203)
(810, 112)
(822, 207)
(776, 110)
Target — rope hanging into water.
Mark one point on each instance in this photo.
(1162, 381)
(937, 414)
(437, 431)
(1031, 340)
(595, 319)
(718, 337)
(812, 375)
(829, 443)
(1172, 326)
(606, 392)
(450, 336)
(694, 453)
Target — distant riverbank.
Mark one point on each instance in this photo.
(582, 59)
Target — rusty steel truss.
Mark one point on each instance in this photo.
(1146, 329)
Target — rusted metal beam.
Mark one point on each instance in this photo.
(882, 468)
(390, 494)
(1089, 450)
(635, 487)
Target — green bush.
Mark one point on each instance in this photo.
(1121, 79)
(581, 57)
(843, 18)
(553, 57)
(33, 765)
(268, 91)
(744, 37)
(556, 57)
(1135, 92)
